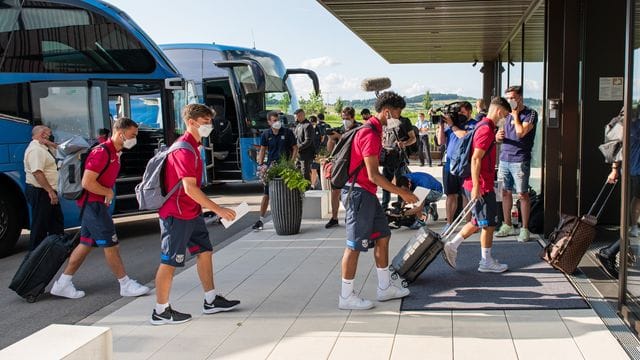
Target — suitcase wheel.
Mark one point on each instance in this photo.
(394, 275)
(31, 299)
(392, 269)
(405, 283)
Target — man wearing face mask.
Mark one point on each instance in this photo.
(97, 229)
(366, 223)
(348, 123)
(182, 224)
(517, 138)
(479, 186)
(398, 134)
(275, 142)
(450, 134)
(42, 178)
(306, 146)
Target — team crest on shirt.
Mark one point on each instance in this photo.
(114, 238)
(179, 259)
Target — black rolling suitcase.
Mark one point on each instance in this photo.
(42, 264)
(414, 257)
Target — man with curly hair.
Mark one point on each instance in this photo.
(366, 223)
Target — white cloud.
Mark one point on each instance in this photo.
(414, 89)
(332, 86)
(320, 62)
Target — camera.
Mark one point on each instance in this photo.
(452, 110)
(334, 130)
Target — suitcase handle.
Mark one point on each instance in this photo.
(598, 199)
(457, 221)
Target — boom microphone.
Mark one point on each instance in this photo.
(376, 84)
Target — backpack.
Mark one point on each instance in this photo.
(613, 136)
(461, 158)
(150, 193)
(75, 152)
(414, 148)
(341, 159)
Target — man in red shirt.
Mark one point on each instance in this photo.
(479, 186)
(182, 224)
(366, 224)
(97, 229)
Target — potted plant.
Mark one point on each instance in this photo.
(286, 190)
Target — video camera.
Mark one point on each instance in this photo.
(331, 131)
(452, 110)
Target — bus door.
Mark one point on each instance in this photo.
(143, 103)
(222, 155)
(70, 108)
(244, 88)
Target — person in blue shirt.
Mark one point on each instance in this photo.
(451, 133)
(275, 142)
(514, 169)
(428, 207)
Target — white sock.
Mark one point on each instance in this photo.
(262, 218)
(209, 296)
(457, 240)
(384, 278)
(486, 254)
(64, 279)
(347, 288)
(160, 308)
(123, 280)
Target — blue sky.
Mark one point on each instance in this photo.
(303, 34)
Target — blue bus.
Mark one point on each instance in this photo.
(74, 65)
(242, 85)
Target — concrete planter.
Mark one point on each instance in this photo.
(286, 207)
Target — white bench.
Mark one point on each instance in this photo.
(316, 204)
(69, 342)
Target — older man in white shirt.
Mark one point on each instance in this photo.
(42, 178)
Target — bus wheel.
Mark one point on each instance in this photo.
(9, 223)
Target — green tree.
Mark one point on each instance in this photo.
(314, 105)
(426, 100)
(285, 102)
(339, 105)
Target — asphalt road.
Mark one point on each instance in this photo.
(139, 247)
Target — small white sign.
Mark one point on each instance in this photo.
(241, 210)
(611, 89)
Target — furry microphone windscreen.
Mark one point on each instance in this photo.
(376, 84)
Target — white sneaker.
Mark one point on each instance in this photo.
(524, 235)
(492, 266)
(392, 292)
(353, 302)
(449, 254)
(634, 232)
(68, 291)
(132, 288)
(505, 230)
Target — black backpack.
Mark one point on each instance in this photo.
(414, 148)
(341, 159)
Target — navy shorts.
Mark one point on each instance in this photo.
(265, 190)
(485, 211)
(452, 184)
(178, 234)
(97, 229)
(365, 221)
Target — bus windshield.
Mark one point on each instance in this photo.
(84, 43)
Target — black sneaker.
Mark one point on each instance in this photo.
(169, 316)
(258, 225)
(608, 263)
(219, 304)
(331, 223)
(433, 210)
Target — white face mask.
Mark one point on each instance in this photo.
(513, 103)
(276, 125)
(392, 123)
(129, 143)
(347, 123)
(205, 130)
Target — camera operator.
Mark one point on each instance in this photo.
(348, 122)
(394, 158)
(454, 125)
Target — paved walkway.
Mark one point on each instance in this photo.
(289, 288)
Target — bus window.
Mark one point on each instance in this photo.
(66, 108)
(15, 101)
(66, 39)
(189, 60)
(145, 110)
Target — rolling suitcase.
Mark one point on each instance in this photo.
(42, 264)
(414, 257)
(573, 235)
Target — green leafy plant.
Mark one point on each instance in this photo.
(287, 171)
